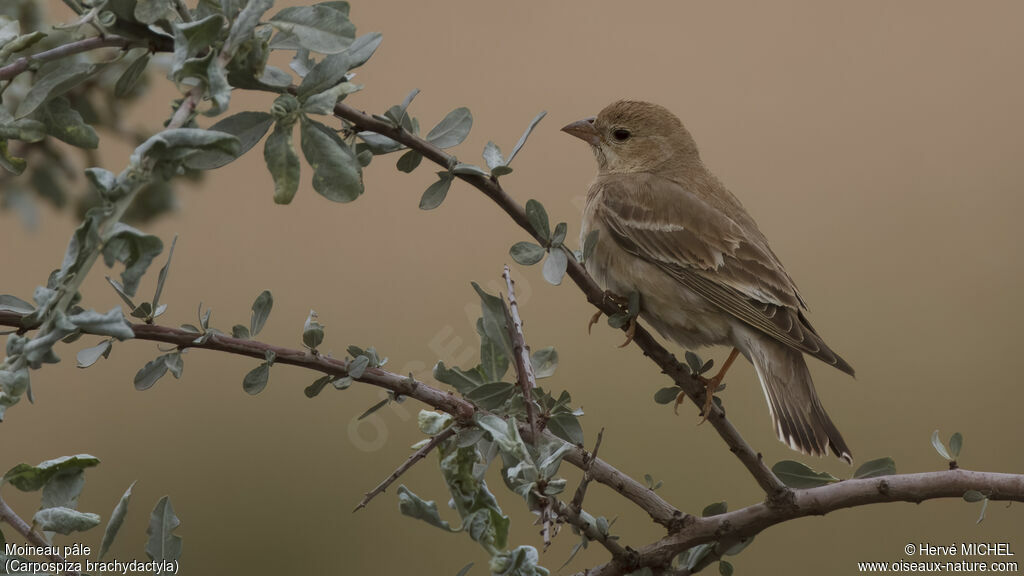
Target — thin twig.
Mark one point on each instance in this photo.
(409, 463)
(25, 62)
(35, 538)
(521, 355)
(581, 491)
(618, 551)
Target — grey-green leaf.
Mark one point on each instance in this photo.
(559, 234)
(116, 520)
(567, 427)
(939, 446)
(282, 162)
(163, 544)
(413, 506)
(973, 496)
(260, 311)
(555, 266)
(526, 253)
(110, 324)
(538, 218)
(667, 395)
(318, 28)
(130, 77)
(435, 194)
(147, 376)
(64, 520)
(249, 127)
(956, 442)
(451, 130)
(409, 161)
(65, 123)
(88, 356)
(797, 475)
(10, 303)
(337, 174)
(492, 156)
(526, 134)
(492, 395)
(544, 362)
(878, 467)
(256, 380)
(55, 79)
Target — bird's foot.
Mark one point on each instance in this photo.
(593, 320)
(680, 398)
(630, 332)
(710, 385)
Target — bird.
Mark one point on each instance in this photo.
(670, 231)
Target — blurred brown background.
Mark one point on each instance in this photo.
(878, 145)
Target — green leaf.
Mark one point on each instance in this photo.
(409, 161)
(63, 490)
(797, 475)
(693, 361)
(249, 127)
(495, 322)
(318, 28)
(538, 218)
(130, 77)
(413, 506)
(260, 312)
(64, 520)
(465, 570)
(65, 124)
(180, 143)
(526, 134)
(589, 243)
(544, 362)
(974, 496)
(314, 389)
(147, 376)
(526, 253)
(358, 366)
(162, 276)
(462, 381)
(55, 79)
(149, 11)
(559, 235)
(984, 507)
(135, 250)
(567, 427)
(88, 356)
(12, 164)
(163, 544)
(337, 174)
(24, 129)
(492, 395)
(110, 324)
(492, 156)
(469, 170)
(879, 467)
(116, 520)
(374, 408)
(256, 379)
(555, 266)
(715, 509)
(324, 102)
(245, 23)
(10, 303)
(435, 194)
(667, 395)
(380, 144)
(28, 478)
(939, 447)
(312, 331)
(217, 88)
(724, 568)
(956, 442)
(283, 163)
(451, 130)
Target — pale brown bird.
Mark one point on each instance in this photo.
(669, 230)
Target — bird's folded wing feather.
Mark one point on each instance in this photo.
(711, 254)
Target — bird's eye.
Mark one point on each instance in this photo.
(621, 135)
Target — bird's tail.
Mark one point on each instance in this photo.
(799, 418)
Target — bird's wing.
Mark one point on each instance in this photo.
(711, 254)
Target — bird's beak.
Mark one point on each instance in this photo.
(584, 130)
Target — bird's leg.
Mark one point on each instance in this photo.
(630, 308)
(712, 384)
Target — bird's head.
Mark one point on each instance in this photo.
(633, 136)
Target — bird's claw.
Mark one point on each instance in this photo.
(680, 398)
(630, 332)
(710, 385)
(593, 320)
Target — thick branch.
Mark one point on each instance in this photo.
(24, 63)
(749, 521)
(659, 510)
(35, 538)
(595, 295)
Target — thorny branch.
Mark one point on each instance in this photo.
(409, 463)
(521, 355)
